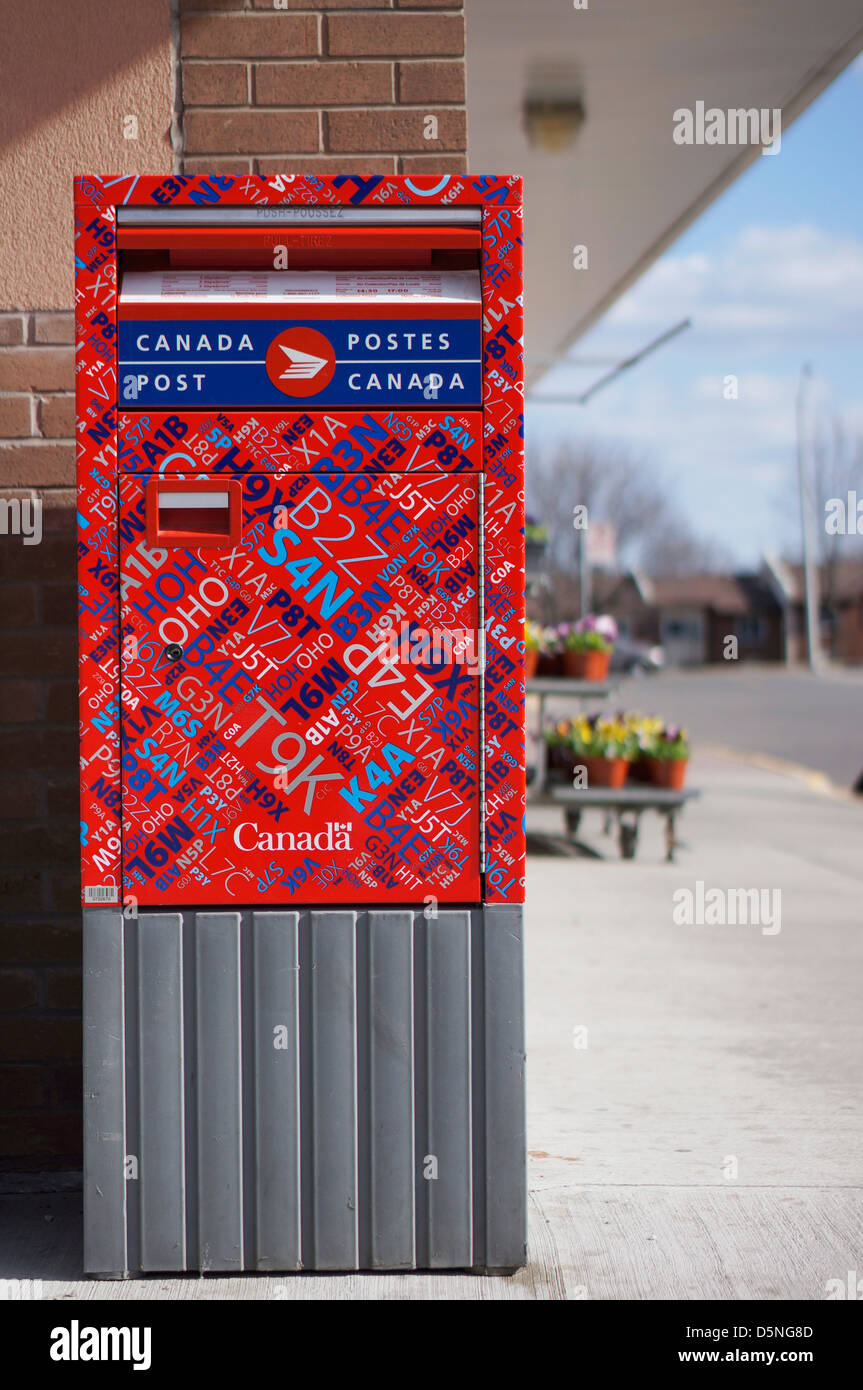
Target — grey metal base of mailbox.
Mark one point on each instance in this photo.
(324, 1090)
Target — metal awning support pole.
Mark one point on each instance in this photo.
(810, 574)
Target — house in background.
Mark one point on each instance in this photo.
(840, 589)
(690, 616)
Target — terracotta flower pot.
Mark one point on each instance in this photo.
(587, 666)
(531, 661)
(604, 772)
(668, 772)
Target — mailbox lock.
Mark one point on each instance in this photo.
(174, 652)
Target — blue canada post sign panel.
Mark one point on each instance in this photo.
(337, 361)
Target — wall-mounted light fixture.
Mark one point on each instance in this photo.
(552, 123)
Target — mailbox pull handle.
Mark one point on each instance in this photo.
(194, 513)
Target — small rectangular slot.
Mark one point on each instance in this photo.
(205, 512)
(189, 515)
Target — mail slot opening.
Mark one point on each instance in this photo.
(189, 516)
(305, 247)
(209, 512)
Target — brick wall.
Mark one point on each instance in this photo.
(40, 940)
(345, 85)
(348, 85)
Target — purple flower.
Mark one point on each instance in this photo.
(606, 627)
(671, 733)
(587, 624)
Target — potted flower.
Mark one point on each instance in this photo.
(668, 756)
(600, 744)
(532, 644)
(603, 745)
(587, 647)
(645, 729)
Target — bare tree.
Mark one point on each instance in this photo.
(674, 548)
(836, 471)
(607, 478)
(617, 485)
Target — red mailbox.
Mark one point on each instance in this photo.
(300, 563)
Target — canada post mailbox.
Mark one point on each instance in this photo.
(301, 578)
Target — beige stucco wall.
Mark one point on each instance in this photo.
(70, 70)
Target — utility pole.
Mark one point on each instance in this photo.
(810, 573)
(583, 572)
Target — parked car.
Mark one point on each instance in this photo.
(631, 658)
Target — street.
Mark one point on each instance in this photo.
(789, 714)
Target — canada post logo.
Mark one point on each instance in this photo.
(300, 361)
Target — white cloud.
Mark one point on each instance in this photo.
(768, 281)
(684, 412)
(724, 461)
(761, 305)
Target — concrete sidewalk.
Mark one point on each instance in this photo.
(708, 1141)
(702, 1138)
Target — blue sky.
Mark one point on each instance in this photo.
(772, 276)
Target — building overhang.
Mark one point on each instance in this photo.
(604, 172)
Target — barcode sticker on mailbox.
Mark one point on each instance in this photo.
(108, 893)
(198, 338)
